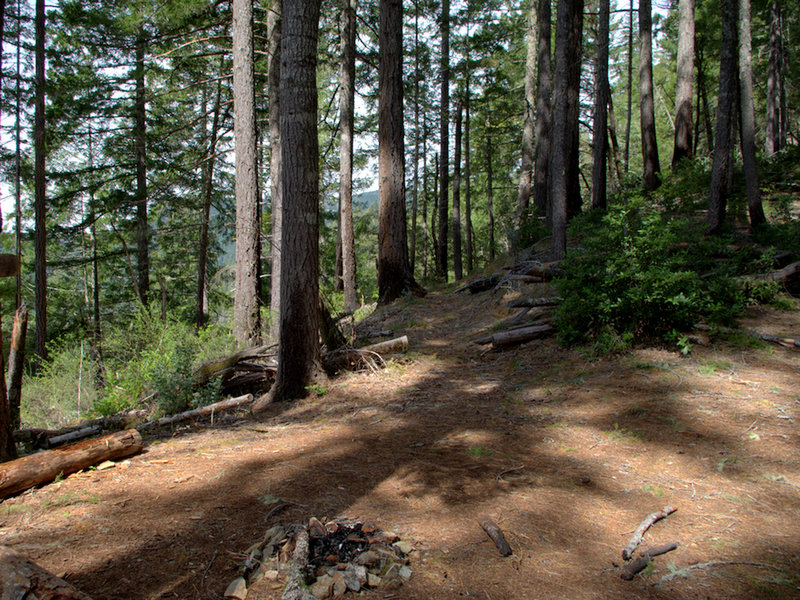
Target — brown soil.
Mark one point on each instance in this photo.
(566, 454)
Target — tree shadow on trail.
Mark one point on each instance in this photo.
(567, 463)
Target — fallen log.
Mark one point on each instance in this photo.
(484, 284)
(788, 276)
(638, 535)
(521, 335)
(73, 436)
(195, 413)
(21, 578)
(496, 535)
(535, 302)
(359, 358)
(223, 367)
(40, 438)
(388, 347)
(640, 564)
(26, 472)
(295, 588)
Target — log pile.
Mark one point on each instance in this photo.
(321, 560)
(525, 271)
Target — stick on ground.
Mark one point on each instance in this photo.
(494, 532)
(635, 566)
(652, 518)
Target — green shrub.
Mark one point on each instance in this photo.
(639, 274)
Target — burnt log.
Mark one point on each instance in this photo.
(20, 578)
(26, 472)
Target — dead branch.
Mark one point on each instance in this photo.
(630, 570)
(203, 411)
(638, 535)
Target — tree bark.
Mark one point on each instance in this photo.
(600, 126)
(575, 50)
(246, 321)
(412, 242)
(544, 121)
(347, 110)
(747, 119)
(683, 86)
(276, 187)
(24, 473)
(444, 136)
(722, 142)
(651, 167)
(298, 355)
(467, 185)
(140, 138)
(40, 190)
(457, 250)
(394, 271)
(528, 120)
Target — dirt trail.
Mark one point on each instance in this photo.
(566, 454)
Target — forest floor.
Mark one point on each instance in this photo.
(565, 453)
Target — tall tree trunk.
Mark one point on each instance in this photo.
(560, 158)
(8, 450)
(747, 119)
(629, 114)
(18, 163)
(412, 242)
(276, 186)
(40, 188)
(773, 137)
(298, 354)
(702, 87)
(575, 49)
(457, 264)
(467, 184)
(16, 364)
(528, 120)
(346, 106)
(140, 135)
(435, 211)
(444, 137)
(544, 116)
(616, 166)
(683, 86)
(727, 95)
(600, 126)
(651, 166)
(246, 322)
(394, 271)
(490, 186)
(424, 199)
(205, 214)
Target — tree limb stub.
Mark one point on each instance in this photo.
(496, 535)
(638, 535)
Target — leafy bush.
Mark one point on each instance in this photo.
(639, 274)
(154, 358)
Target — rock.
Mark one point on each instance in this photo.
(391, 579)
(271, 575)
(322, 587)
(368, 558)
(106, 464)
(237, 589)
(316, 529)
(339, 585)
(355, 576)
(373, 580)
(405, 573)
(404, 547)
